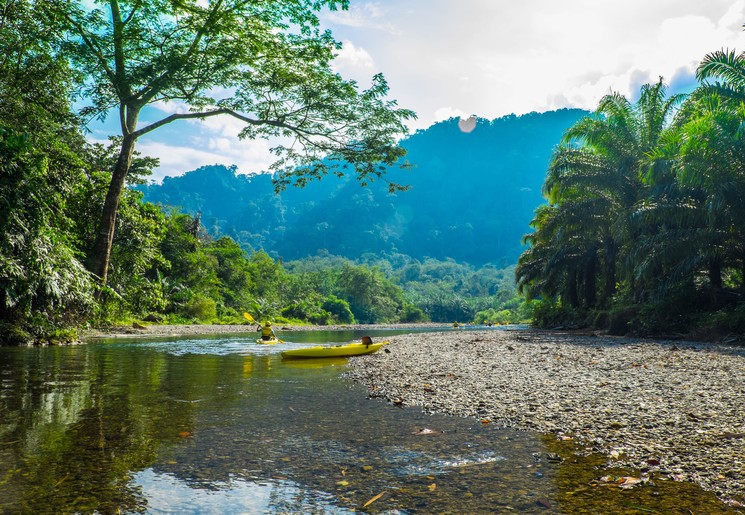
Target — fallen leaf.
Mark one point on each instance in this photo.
(368, 503)
(486, 421)
(432, 487)
(184, 434)
(543, 503)
(342, 483)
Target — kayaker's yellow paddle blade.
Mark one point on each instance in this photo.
(248, 317)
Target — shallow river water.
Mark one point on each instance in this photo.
(222, 425)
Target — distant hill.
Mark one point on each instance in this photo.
(472, 196)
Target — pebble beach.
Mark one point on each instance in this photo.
(674, 410)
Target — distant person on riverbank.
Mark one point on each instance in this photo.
(267, 333)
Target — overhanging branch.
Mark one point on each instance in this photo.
(224, 111)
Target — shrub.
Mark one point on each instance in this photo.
(12, 334)
(339, 309)
(413, 314)
(202, 308)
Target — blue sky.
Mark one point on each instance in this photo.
(445, 58)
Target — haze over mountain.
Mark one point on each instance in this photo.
(472, 197)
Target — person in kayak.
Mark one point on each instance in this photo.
(267, 333)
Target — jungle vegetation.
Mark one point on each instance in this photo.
(57, 190)
(643, 227)
(471, 197)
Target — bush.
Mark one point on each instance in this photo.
(551, 314)
(339, 309)
(61, 336)
(412, 314)
(321, 318)
(12, 334)
(202, 308)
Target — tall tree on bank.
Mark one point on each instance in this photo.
(593, 184)
(267, 64)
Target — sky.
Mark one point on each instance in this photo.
(489, 58)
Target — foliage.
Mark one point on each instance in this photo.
(339, 309)
(272, 57)
(643, 228)
(202, 308)
(471, 198)
(43, 284)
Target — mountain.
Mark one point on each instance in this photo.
(472, 197)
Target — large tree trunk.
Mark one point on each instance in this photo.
(572, 288)
(99, 259)
(715, 273)
(609, 286)
(591, 280)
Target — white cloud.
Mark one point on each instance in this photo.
(445, 113)
(351, 56)
(538, 55)
(490, 58)
(368, 14)
(176, 159)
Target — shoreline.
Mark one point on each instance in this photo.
(160, 330)
(670, 409)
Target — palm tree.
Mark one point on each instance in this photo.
(595, 179)
(717, 131)
(727, 66)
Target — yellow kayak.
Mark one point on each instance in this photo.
(350, 349)
(267, 342)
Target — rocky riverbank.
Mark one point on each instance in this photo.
(156, 330)
(674, 409)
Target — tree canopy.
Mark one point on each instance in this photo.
(267, 64)
(643, 229)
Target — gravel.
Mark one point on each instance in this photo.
(674, 409)
(156, 330)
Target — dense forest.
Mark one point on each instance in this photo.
(80, 247)
(471, 197)
(643, 229)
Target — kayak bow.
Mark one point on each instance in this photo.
(319, 351)
(268, 342)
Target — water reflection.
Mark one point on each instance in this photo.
(222, 425)
(167, 494)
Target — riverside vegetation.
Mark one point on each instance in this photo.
(643, 229)
(642, 232)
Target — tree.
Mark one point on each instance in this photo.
(271, 57)
(593, 185)
(42, 280)
(716, 142)
(728, 66)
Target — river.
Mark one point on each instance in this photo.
(222, 425)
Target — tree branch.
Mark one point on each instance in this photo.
(305, 134)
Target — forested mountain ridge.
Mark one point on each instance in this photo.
(472, 197)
